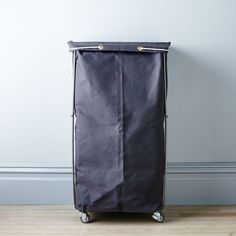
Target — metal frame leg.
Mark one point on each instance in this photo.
(158, 215)
(84, 216)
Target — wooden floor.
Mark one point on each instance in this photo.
(64, 220)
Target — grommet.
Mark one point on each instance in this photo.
(140, 48)
(100, 46)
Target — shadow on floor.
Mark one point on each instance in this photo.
(119, 217)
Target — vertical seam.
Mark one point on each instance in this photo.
(122, 113)
(120, 126)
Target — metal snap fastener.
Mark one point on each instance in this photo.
(100, 46)
(140, 48)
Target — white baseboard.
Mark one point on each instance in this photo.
(186, 183)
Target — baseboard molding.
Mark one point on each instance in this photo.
(186, 183)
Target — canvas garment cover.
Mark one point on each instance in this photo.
(119, 134)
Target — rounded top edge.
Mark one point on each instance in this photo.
(120, 46)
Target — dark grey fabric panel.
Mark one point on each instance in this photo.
(143, 129)
(119, 136)
(98, 167)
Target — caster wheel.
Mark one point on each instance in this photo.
(158, 216)
(84, 217)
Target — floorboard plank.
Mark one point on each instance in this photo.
(59, 220)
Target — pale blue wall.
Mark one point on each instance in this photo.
(36, 87)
